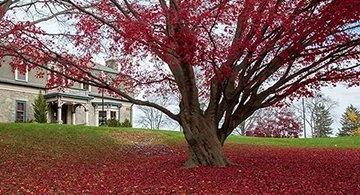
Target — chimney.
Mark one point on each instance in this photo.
(112, 63)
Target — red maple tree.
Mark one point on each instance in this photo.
(234, 56)
(276, 122)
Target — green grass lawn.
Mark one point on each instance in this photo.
(97, 137)
(66, 159)
(333, 142)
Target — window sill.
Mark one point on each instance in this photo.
(23, 81)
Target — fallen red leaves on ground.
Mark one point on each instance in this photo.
(158, 169)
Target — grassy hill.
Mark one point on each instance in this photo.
(27, 134)
(65, 159)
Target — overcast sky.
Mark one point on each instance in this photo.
(344, 96)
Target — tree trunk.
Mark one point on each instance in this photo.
(205, 149)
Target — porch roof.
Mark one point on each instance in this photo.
(76, 94)
(107, 104)
(66, 95)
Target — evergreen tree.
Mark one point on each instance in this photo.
(357, 133)
(40, 109)
(322, 121)
(348, 121)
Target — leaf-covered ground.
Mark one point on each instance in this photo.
(68, 159)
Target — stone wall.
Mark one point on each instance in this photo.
(81, 118)
(126, 112)
(8, 97)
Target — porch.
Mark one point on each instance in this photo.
(65, 107)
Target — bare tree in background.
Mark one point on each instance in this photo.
(311, 105)
(248, 123)
(151, 118)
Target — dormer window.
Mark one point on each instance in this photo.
(21, 76)
(85, 87)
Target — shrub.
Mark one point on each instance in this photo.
(116, 123)
(126, 123)
(249, 133)
(113, 123)
(40, 109)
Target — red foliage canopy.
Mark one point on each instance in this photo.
(225, 39)
(271, 49)
(274, 47)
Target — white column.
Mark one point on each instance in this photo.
(73, 115)
(96, 117)
(49, 113)
(86, 115)
(59, 112)
(108, 116)
(119, 114)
